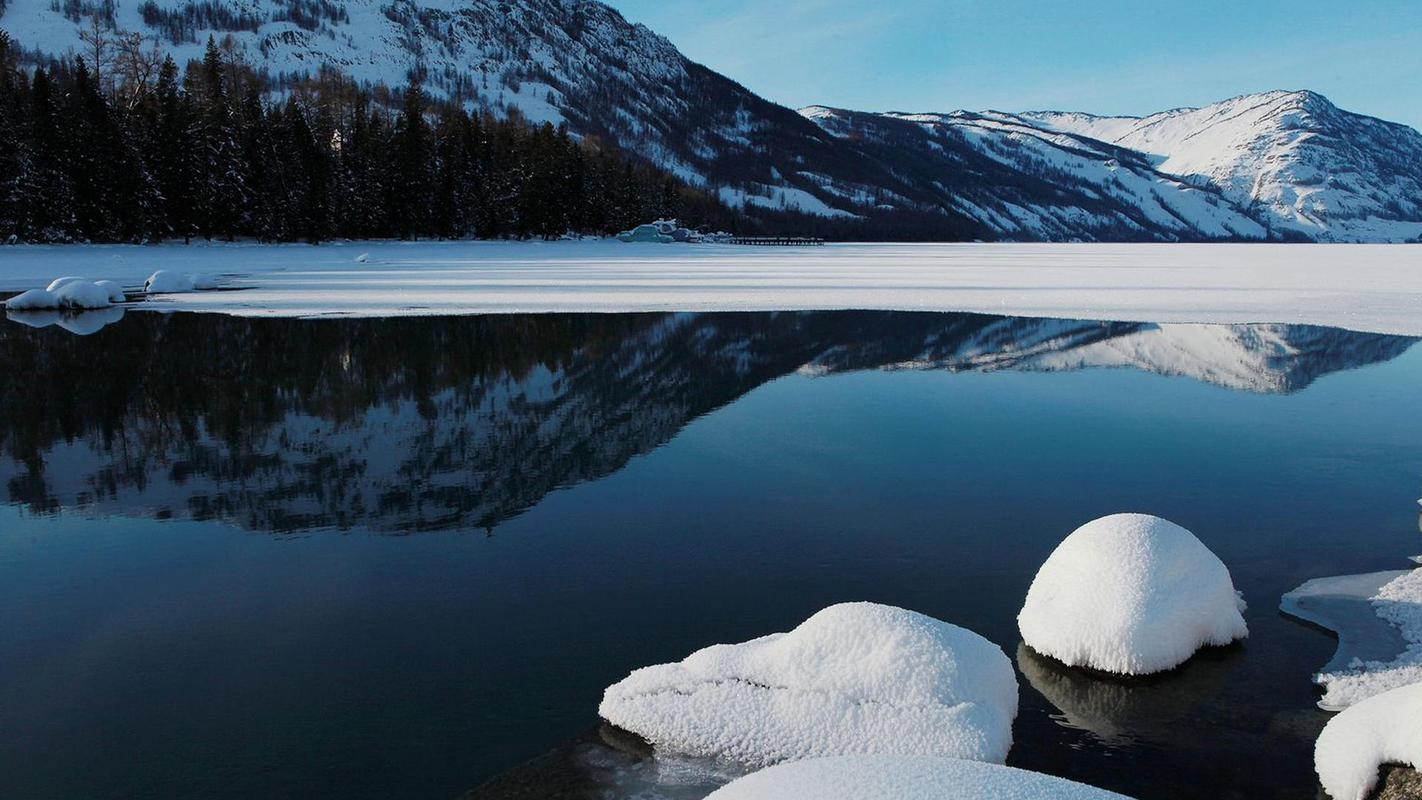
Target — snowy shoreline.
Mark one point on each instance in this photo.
(1370, 288)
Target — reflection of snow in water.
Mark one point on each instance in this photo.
(81, 323)
(1125, 710)
(1378, 619)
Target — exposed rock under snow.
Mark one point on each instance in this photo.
(853, 678)
(1384, 729)
(1130, 594)
(897, 777)
(1378, 619)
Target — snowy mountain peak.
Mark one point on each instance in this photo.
(1301, 165)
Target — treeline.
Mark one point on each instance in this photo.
(122, 146)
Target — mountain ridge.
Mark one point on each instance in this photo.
(1316, 173)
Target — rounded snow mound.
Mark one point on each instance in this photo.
(890, 777)
(1384, 729)
(116, 293)
(70, 293)
(1130, 594)
(853, 678)
(168, 282)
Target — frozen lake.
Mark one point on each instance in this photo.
(1374, 288)
(403, 557)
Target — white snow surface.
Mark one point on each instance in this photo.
(169, 282)
(896, 777)
(855, 678)
(1398, 604)
(1385, 729)
(116, 292)
(1374, 288)
(66, 293)
(1131, 594)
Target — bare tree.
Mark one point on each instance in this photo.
(137, 67)
(100, 48)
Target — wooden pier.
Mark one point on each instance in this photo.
(778, 241)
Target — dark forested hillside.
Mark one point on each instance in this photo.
(145, 150)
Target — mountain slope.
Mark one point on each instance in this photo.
(572, 61)
(1282, 165)
(1298, 162)
(1024, 182)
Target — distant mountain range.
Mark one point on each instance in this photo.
(1275, 166)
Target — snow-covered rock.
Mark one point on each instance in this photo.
(168, 282)
(32, 300)
(82, 295)
(116, 293)
(72, 293)
(1385, 729)
(899, 777)
(1130, 594)
(853, 678)
(58, 283)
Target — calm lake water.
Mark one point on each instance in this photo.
(403, 558)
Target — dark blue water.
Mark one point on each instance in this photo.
(402, 558)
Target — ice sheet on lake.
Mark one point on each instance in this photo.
(1376, 288)
(900, 777)
(1378, 619)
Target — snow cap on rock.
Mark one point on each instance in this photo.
(1384, 729)
(853, 678)
(895, 777)
(116, 293)
(1130, 594)
(168, 282)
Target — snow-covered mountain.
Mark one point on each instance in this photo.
(1023, 181)
(573, 61)
(458, 423)
(1293, 159)
(1278, 165)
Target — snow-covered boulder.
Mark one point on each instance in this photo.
(76, 294)
(116, 293)
(168, 282)
(32, 300)
(59, 283)
(853, 678)
(1384, 729)
(82, 295)
(1130, 594)
(898, 777)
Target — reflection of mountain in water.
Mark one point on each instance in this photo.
(419, 424)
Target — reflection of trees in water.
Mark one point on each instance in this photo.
(434, 423)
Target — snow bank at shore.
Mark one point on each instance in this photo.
(1378, 619)
(1375, 288)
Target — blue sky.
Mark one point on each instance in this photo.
(1104, 56)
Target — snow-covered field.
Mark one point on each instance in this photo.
(1376, 288)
